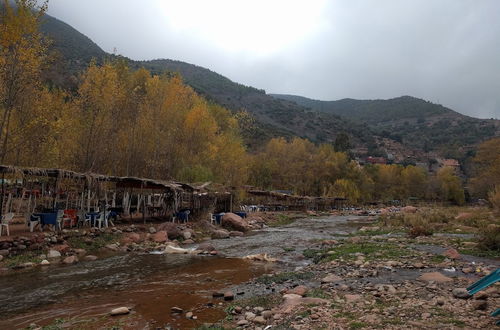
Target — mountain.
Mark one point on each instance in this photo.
(274, 117)
(412, 121)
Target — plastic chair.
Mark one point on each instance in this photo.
(83, 219)
(34, 220)
(212, 218)
(59, 219)
(6, 219)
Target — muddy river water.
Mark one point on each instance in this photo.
(151, 284)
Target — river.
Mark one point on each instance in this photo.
(151, 284)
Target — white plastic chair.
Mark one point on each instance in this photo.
(83, 218)
(33, 223)
(6, 219)
(212, 218)
(59, 219)
(99, 220)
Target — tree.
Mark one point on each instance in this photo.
(450, 186)
(486, 168)
(23, 52)
(342, 143)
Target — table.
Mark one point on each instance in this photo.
(241, 214)
(218, 218)
(45, 218)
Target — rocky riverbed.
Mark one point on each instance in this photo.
(331, 272)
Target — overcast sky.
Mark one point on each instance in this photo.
(445, 51)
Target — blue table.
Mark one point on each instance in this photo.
(218, 218)
(241, 214)
(183, 216)
(93, 216)
(45, 218)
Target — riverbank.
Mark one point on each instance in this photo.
(332, 271)
(383, 276)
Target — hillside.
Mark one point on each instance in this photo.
(414, 122)
(274, 117)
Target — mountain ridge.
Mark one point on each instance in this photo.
(288, 115)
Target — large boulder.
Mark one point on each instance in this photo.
(171, 228)
(53, 254)
(130, 238)
(160, 237)
(220, 233)
(233, 221)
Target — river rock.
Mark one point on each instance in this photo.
(301, 290)
(120, 311)
(131, 238)
(220, 233)
(461, 293)
(53, 254)
(234, 222)
(452, 254)
(236, 233)
(70, 260)
(160, 236)
(228, 295)
(4, 253)
(80, 252)
(206, 247)
(331, 279)
(112, 247)
(90, 258)
(186, 234)
(1, 258)
(45, 263)
(152, 230)
(267, 314)
(260, 320)
(435, 277)
(176, 310)
(242, 323)
(171, 228)
(189, 315)
(188, 241)
(62, 248)
(249, 316)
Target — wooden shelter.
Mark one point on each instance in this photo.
(23, 189)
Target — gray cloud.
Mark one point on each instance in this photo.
(445, 51)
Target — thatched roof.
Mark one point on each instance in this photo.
(132, 182)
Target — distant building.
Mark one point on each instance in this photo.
(376, 160)
(451, 163)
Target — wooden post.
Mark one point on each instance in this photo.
(3, 193)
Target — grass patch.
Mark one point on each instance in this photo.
(282, 220)
(371, 251)
(481, 253)
(318, 293)
(265, 301)
(345, 315)
(357, 325)
(288, 249)
(437, 259)
(17, 260)
(283, 277)
(95, 244)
